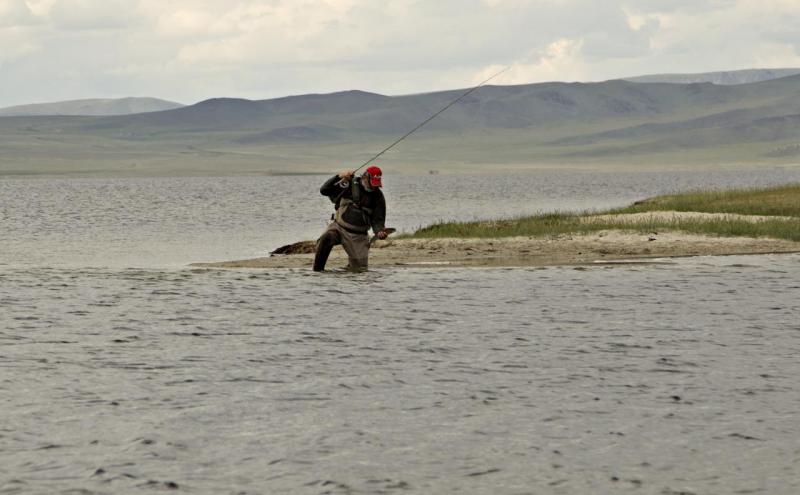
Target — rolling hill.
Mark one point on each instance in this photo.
(731, 77)
(611, 123)
(94, 107)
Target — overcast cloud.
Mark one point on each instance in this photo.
(189, 50)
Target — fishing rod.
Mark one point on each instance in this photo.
(344, 183)
(412, 131)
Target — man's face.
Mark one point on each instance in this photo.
(366, 179)
(366, 184)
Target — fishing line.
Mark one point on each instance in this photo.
(412, 131)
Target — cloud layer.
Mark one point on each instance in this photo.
(188, 50)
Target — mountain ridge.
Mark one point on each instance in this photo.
(731, 77)
(91, 107)
(609, 122)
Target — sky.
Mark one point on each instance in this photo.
(191, 50)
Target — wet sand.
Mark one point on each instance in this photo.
(600, 247)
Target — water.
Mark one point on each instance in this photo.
(123, 371)
(169, 222)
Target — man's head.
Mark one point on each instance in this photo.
(372, 177)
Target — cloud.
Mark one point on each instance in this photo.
(93, 14)
(188, 50)
(40, 7)
(16, 13)
(16, 45)
(560, 60)
(727, 34)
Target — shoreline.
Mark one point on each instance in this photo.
(603, 247)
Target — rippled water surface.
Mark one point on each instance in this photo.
(123, 371)
(168, 222)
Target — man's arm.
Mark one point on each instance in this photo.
(330, 187)
(379, 217)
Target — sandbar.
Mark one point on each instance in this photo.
(610, 246)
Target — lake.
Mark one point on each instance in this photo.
(126, 371)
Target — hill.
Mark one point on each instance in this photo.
(92, 107)
(732, 77)
(609, 124)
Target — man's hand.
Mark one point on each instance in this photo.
(381, 234)
(346, 174)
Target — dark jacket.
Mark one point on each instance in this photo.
(372, 202)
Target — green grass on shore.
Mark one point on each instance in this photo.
(774, 201)
(780, 201)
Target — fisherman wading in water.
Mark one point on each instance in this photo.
(359, 207)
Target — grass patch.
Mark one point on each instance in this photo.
(773, 201)
(780, 201)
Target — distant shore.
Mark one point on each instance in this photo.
(699, 223)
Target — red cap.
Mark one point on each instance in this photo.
(374, 176)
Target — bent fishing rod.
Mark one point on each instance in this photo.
(344, 183)
(418, 127)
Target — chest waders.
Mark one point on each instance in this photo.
(349, 212)
(350, 223)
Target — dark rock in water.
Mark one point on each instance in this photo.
(302, 247)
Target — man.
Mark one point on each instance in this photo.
(359, 206)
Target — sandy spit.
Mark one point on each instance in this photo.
(600, 247)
